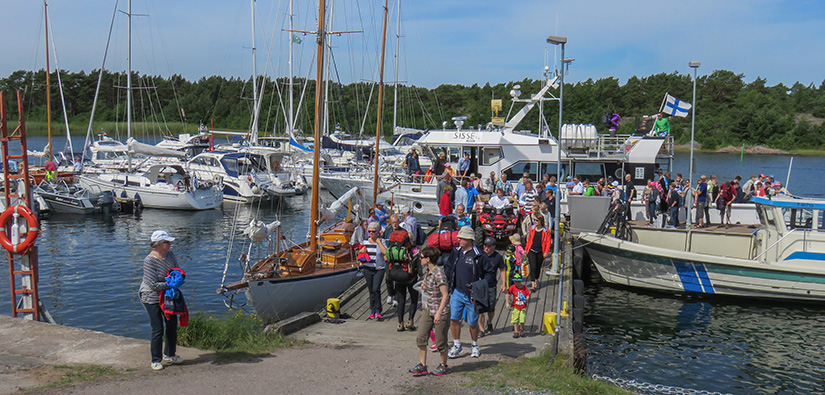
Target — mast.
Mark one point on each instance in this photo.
(397, 56)
(48, 150)
(380, 105)
(254, 128)
(319, 108)
(290, 127)
(129, 86)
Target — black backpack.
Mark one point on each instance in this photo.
(606, 120)
(420, 236)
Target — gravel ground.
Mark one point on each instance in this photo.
(316, 369)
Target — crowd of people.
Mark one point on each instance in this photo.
(457, 283)
(667, 196)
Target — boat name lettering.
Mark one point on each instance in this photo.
(468, 136)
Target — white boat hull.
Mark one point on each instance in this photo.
(662, 269)
(197, 199)
(281, 298)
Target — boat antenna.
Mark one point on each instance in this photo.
(48, 150)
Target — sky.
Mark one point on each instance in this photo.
(442, 41)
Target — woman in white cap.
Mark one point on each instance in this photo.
(156, 266)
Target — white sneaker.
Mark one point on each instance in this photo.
(389, 300)
(157, 366)
(173, 360)
(476, 352)
(455, 351)
(394, 303)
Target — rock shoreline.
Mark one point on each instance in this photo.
(749, 149)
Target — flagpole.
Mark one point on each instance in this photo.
(664, 99)
(695, 67)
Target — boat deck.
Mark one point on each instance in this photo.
(736, 228)
(357, 330)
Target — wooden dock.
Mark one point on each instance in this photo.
(357, 330)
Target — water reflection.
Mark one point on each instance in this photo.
(736, 346)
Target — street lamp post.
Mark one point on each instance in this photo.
(695, 67)
(558, 40)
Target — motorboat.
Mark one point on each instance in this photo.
(782, 259)
(164, 186)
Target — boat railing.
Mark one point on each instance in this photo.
(609, 147)
(805, 240)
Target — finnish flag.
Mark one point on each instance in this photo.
(674, 106)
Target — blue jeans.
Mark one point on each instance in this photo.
(674, 216)
(157, 320)
(652, 208)
(374, 277)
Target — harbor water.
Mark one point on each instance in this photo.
(90, 269)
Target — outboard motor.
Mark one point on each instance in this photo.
(105, 200)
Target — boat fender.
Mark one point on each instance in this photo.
(5, 223)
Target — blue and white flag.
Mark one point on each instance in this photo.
(674, 106)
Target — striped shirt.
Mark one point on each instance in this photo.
(376, 257)
(154, 277)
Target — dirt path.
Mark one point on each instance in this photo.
(313, 368)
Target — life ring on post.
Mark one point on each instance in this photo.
(6, 221)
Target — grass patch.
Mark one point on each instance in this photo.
(233, 332)
(77, 373)
(544, 373)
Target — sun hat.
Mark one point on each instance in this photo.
(777, 184)
(446, 165)
(466, 233)
(490, 241)
(515, 238)
(517, 277)
(379, 203)
(161, 235)
(374, 226)
(615, 183)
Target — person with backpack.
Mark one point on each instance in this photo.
(402, 272)
(495, 262)
(412, 226)
(652, 202)
(673, 203)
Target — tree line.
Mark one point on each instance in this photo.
(729, 111)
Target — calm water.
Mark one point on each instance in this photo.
(90, 269)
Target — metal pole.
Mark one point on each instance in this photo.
(689, 220)
(555, 269)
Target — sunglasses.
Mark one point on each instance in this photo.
(372, 231)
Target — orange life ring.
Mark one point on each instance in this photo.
(31, 236)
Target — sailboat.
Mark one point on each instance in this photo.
(301, 277)
(161, 185)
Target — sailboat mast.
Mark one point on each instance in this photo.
(129, 85)
(380, 105)
(290, 127)
(397, 55)
(254, 128)
(48, 149)
(319, 108)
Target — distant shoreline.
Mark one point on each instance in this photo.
(749, 150)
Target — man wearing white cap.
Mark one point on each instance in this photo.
(465, 266)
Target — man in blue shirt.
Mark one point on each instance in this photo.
(504, 185)
(465, 266)
(464, 165)
(520, 187)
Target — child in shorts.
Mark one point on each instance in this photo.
(517, 297)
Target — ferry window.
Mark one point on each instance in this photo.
(768, 215)
(589, 171)
(453, 155)
(515, 172)
(798, 218)
(490, 156)
(820, 219)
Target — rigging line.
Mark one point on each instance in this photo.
(341, 90)
(60, 87)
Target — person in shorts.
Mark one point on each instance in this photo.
(435, 312)
(465, 266)
(517, 297)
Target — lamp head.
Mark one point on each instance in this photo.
(555, 40)
(694, 64)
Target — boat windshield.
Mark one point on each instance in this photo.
(801, 218)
